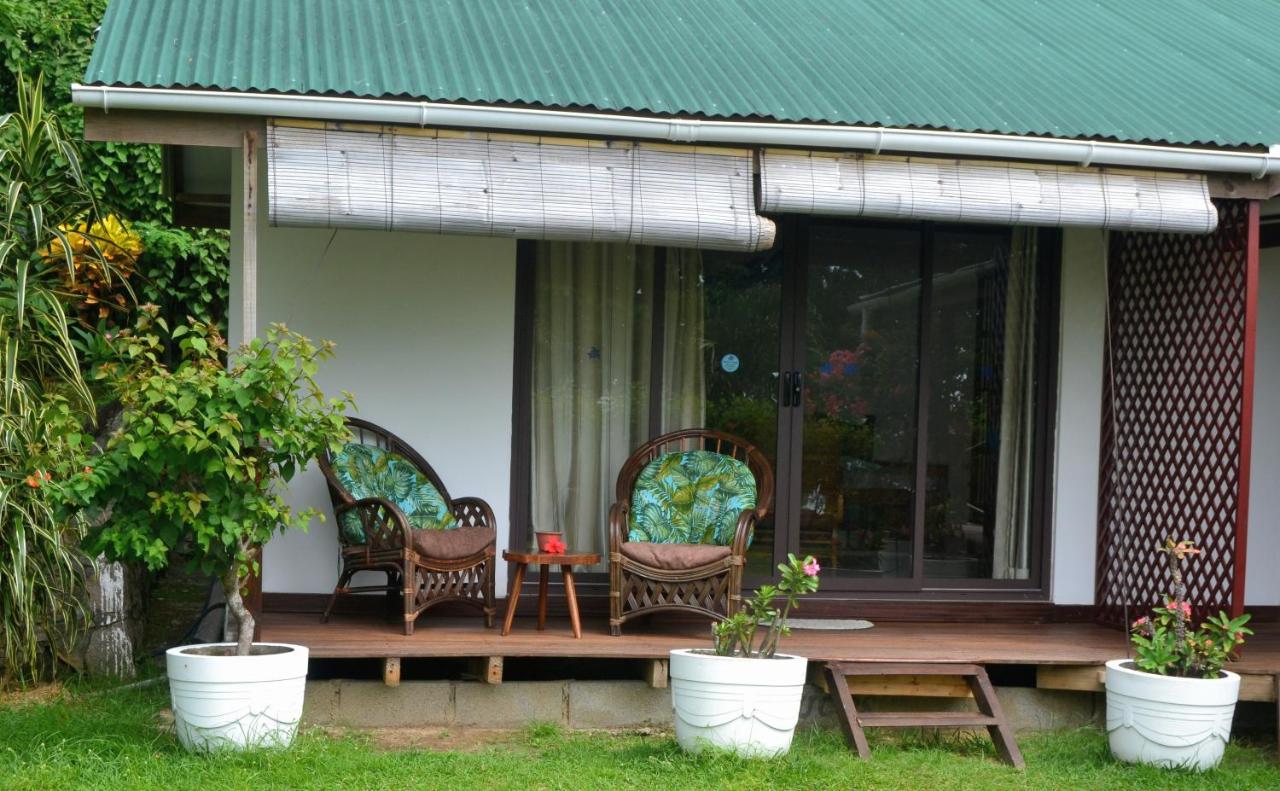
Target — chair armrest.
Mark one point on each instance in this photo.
(746, 524)
(385, 525)
(473, 512)
(617, 526)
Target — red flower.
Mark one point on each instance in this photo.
(34, 481)
(555, 547)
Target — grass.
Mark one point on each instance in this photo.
(103, 739)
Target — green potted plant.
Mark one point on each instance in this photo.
(743, 696)
(196, 470)
(1172, 704)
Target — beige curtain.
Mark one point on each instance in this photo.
(593, 330)
(684, 353)
(1013, 488)
(592, 362)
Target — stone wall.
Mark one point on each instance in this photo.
(618, 704)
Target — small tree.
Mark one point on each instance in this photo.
(737, 635)
(196, 467)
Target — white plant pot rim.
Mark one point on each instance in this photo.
(1128, 667)
(780, 670)
(262, 667)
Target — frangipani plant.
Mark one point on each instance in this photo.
(1166, 644)
(754, 632)
(197, 466)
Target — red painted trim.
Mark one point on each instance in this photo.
(1246, 409)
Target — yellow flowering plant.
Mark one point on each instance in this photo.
(95, 261)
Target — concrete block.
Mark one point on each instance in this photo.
(509, 705)
(372, 704)
(320, 704)
(618, 704)
(1032, 710)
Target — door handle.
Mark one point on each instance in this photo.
(786, 388)
(797, 379)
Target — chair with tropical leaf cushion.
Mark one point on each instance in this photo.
(395, 516)
(687, 505)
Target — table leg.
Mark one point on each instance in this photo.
(512, 598)
(567, 573)
(543, 573)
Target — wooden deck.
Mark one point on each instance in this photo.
(1066, 655)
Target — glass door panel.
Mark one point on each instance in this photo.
(980, 381)
(724, 318)
(859, 380)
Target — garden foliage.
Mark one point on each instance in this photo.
(1166, 643)
(195, 470)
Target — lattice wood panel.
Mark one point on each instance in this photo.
(1174, 443)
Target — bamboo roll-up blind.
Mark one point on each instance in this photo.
(1007, 193)
(442, 181)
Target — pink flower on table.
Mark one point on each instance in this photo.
(811, 568)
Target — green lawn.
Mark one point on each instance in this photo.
(115, 740)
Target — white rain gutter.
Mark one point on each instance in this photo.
(636, 127)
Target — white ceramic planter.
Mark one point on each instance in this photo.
(747, 706)
(234, 702)
(1169, 721)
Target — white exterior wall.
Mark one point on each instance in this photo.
(1262, 583)
(424, 327)
(1079, 425)
(1079, 419)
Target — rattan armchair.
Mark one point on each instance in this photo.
(424, 568)
(691, 577)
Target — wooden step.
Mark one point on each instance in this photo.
(926, 719)
(989, 715)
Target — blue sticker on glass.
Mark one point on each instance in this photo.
(729, 363)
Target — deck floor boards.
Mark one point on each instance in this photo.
(358, 636)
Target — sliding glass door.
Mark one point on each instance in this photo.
(915, 440)
(894, 374)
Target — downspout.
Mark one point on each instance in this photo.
(637, 127)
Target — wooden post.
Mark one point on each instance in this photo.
(488, 669)
(391, 671)
(249, 309)
(249, 239)
(656, 673)
(1253, 242)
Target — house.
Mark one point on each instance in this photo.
(996, 286)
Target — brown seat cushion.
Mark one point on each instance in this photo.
(673, 557)
(452, 544)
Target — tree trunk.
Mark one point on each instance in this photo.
(235, 605)
(112, 593)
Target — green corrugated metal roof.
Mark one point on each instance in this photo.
(1179, 71)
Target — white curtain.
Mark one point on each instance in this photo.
(593, 331)
(594, 308)
(684, 388)
(1012, 558)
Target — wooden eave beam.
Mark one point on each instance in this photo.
(1243, 187)
(170, 128)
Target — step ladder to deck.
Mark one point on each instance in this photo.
(989, 714)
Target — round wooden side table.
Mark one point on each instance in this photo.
(545, 560)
